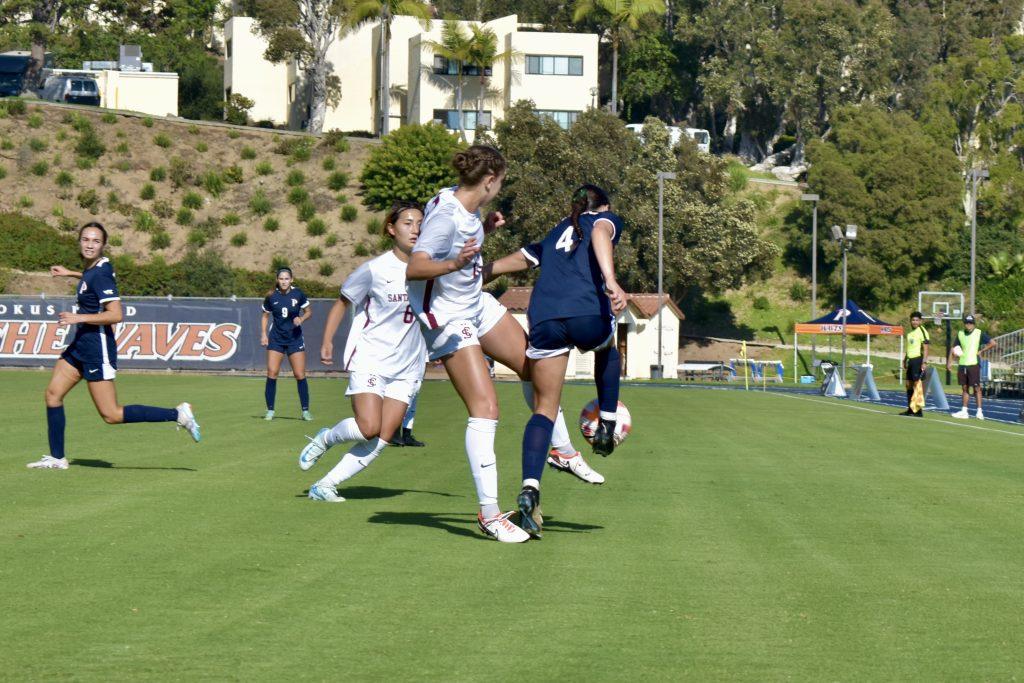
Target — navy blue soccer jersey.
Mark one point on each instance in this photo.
(95, 343)
(570, 282)
(284, 307)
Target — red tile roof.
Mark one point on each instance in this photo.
(517, 299)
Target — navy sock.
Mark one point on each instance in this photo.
(304, 393)
(149, 414)
(607, 370)
(269, 392)
(536, 441)
(55, 430)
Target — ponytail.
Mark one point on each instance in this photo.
(586, 198)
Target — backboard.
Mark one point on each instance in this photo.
(941, 305)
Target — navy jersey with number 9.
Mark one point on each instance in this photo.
(284, 307)
(570, 282)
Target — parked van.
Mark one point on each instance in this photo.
(12, 74)
(71, 89)
(675, 134)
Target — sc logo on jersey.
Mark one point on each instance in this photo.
(371, 381)
(467, 333)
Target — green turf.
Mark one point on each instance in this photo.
(740, 536)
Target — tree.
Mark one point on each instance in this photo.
(653, 82)
(618, 17)
(303, 30)
(412, 163)
(483, 55)
(456, 47)
(385, 11)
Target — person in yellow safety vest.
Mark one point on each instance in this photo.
(915, 363)
(971, 343)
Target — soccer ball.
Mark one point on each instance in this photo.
(957, 351)
(591, 414)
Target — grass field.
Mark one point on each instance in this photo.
(740, 536)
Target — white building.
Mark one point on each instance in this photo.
(147, 92)
(558, 71)
(636, 336)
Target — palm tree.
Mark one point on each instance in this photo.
(617, 16)
(385, 11)
(457, 48)
(483, 54)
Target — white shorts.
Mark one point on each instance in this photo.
(386, 387)
(459, 334)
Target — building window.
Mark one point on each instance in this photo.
(449, 118)
(562, 118)
(227, 48)
(450, 67)
(554, 65)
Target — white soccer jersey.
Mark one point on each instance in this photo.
(447, 226)
(384, 338)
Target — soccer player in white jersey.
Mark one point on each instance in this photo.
(461, 323)
(384, 355)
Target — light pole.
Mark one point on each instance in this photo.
(662, 177)
(845, 240)
(976, 175)
(814, 271)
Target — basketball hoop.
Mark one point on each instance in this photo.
(938, 318)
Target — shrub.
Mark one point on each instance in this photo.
(236, 109)
(337, 180)
(305, 211)
(260, 204)
(361, 249)
(3, 172)
(84, 163)
(296, 148)
(336, 140)
(316, 227)
(234, 134)
(89, 200)
(145, 221)
(297, 195)
(16, 107)
(181, 172)
(30, 244)
(193, 129)
(326, 269)
(331, 240)
(124, 165)
(212, 182)
(35, 121)
(202, 147)
(160, 240)
(234, 174)
(410, 163)
(239, 239)
(295, 178)
(314, 253)
(196, 238)
(192, 200)
(6, 144)
(147, 192)
(108, 118)
(247, 152)
(158, 174)
(163, 208)
(329, 164)
(89, 144)
(342, 198)
(65, 179)
(278, 262)
(62, 135)
(349, 213)
(25, 202)
(148, 122)
(162, 140)
(115, 241)
(374, 226)
(37, 145)
(799, 291)
(264, 168)
(761, 303)
(271, 224)
(103, 182)
(184, 216)
(230, 218)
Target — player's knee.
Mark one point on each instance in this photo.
(299, 376)
(367, 428)
(271, 374)
(487, 409)
(52, 398)
(112, 417)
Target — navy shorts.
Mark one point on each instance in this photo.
(91, 372)
(287, 347)
(551, 338)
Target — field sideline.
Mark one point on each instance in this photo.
(740, 536)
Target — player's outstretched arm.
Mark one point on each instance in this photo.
(601, 239)
(334, 317)
(512, 263)
(422, 267)
(61, 271)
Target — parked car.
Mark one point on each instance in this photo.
(12, 74)
(71, 89)
(675, 133)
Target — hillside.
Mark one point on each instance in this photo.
(256, 197)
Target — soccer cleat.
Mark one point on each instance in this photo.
(316, 447)
(48, 462)
(325, 493)
(187, 420)
(269, 416)
(397, 440)
(919, 413)
(980, 415)
(530, 518)
(603, 440)
(575, 465)
(307, 416)
(907, 413)
(411, 440)
(960, 414)
(500, 529)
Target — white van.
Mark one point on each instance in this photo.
(675, 134)
(71, 89)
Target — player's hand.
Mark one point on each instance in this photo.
(494, 220)
(949, 366)
(60, 271)
(264, 341)
(69, 318)
(297, 322)
(616, 295)
(327, 353)
(469, 251)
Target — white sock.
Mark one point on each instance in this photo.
(355, 461)
(410, 413)
(605, 415)
(346, 430)
(531, 482)
(483, 464)
(560, 440)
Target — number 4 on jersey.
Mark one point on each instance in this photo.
(565, 241)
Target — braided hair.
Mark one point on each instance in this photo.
(586, 198)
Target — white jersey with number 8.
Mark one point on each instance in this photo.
(385, 338)
(447, 226)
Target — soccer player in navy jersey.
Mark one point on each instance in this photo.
(287, 308)
(574, 304)
(92, 354)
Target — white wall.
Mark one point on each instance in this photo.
(563, 93)
(153, 92)
(247, 73)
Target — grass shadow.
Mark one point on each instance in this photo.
(276, 418)
(377, 492)
(458, 523)
(552, 524)
(105, 464)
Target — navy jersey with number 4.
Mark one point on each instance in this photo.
(284, 307)
(95, 343)
(570, 283)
